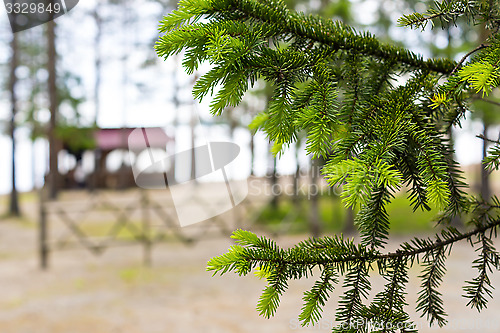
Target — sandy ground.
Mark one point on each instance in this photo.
(115, 293)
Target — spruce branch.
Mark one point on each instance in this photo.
(351, 304)
(418, 20)
(340, 251)
(335, 36)
(316, 298)
(492, 161)
(482, 137)
(429, 298)
(468, 54)
(337, 86)
(335, 254)
(479, 289)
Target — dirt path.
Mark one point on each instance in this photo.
(115, 293)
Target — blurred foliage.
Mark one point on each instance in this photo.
(76, 139)
(292, 217)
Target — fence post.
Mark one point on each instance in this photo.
(146, 229)
(43, 232)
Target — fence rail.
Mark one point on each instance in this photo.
(102, 219)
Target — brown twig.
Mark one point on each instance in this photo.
(482, 137)
(438, 243)
(482, 46)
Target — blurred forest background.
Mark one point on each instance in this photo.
(72, 89)
(95, 68)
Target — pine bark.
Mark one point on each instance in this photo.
(52, 89)
(14, 196)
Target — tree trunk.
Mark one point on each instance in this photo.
(193, 143)
(93, 184)
(349, 221)
(456, 221)
(52, 88)
(252, 153)
(14, 197)
(274, 182)
(177, 104)
(485, 181)
(314, 222)
(296, 179)
(97, 61)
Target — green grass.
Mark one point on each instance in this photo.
(103, 228)
(293, 218)
(404, 220)
(24, 197)
(131, 275)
